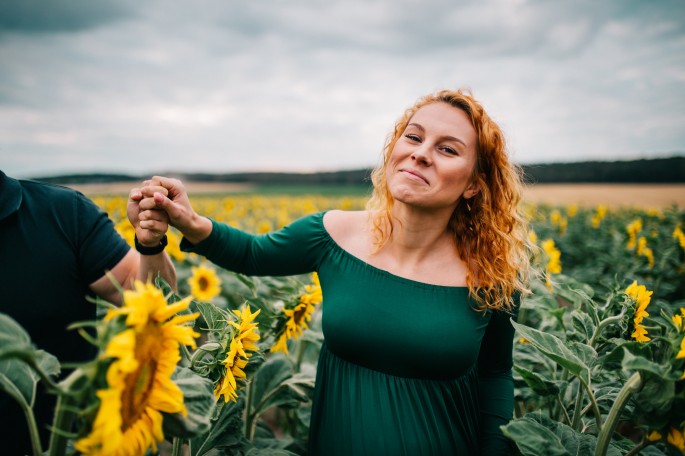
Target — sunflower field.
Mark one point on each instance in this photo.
(226, 364)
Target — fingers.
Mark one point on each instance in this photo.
(154, 220)
(174, 186)
(135, 195)
(148, 190)
(149, 203)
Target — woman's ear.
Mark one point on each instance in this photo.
(471, 190)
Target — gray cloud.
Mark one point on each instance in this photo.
(36, 16)
(243, 85)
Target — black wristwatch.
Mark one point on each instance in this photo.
(143, 250)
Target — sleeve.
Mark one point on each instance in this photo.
(294, 249)
(496, 384)
(99, 246)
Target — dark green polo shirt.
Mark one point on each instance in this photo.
(54, 242)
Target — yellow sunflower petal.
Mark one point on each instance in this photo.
(164, 313)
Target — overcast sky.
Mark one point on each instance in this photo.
(151, 86)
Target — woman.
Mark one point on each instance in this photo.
(418, 289)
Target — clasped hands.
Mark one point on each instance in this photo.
(162, 202)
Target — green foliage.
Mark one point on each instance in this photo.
(198, 397)
(583, 384)
(582, 381)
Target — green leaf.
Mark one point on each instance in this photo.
(226, 431)
(198, 397)
(11, 333)
(539, 384)
(656, 398)
(537, 434)
(267, 380)
(274, 384)
(638, 363)
(247, 281)
(8, 386)
(533, 439)
(48, 363)
(19, 373)
(166, 289)
(576, 292)
(15, 351)
(214, 317)
(555, 349)
(583, 324)
(584, 352)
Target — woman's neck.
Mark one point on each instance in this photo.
(418, 233)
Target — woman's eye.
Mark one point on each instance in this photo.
(414, 138)
(449, 150)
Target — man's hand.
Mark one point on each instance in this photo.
(150, 223)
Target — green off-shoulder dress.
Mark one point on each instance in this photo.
(407, 368)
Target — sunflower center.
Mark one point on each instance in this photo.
(203, 283)
(139, 384)
(299, 313)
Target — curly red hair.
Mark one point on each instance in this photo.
(489, 229)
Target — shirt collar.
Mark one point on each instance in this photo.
(10, 195)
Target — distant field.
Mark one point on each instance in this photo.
(638, 195)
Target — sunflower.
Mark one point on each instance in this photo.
(227, 385)
(174, 246)
(633, 230)
(677, 439)
(643, 250)
(204, 283)
(246, 330)
(141, 359)
(679, 236)
(601, 212)
(553, 260)
(126, 230)
(642, 297)
(298, 316)
(243, 341)
(653, 436)
(554, 256)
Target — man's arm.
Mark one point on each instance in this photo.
(151, 226)
(134, 266)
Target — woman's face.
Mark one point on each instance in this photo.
(432, 162)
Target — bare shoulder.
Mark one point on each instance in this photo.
(346, 227)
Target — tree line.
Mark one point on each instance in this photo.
(643, 171)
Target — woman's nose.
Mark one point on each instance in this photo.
(422, 155)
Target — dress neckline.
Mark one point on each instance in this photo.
(383, 272)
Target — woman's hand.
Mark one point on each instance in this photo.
(169, 195)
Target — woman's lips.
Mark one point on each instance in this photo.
(415, 174)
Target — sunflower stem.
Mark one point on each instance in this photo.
(299, 354)
(639, 447)
(64, 413)
(593, 402)
(248, 415)
(577, 409)
(33, 429)
(633, 385)
(177, 448)
(563, 409)
(603, 324)
(185, 353)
